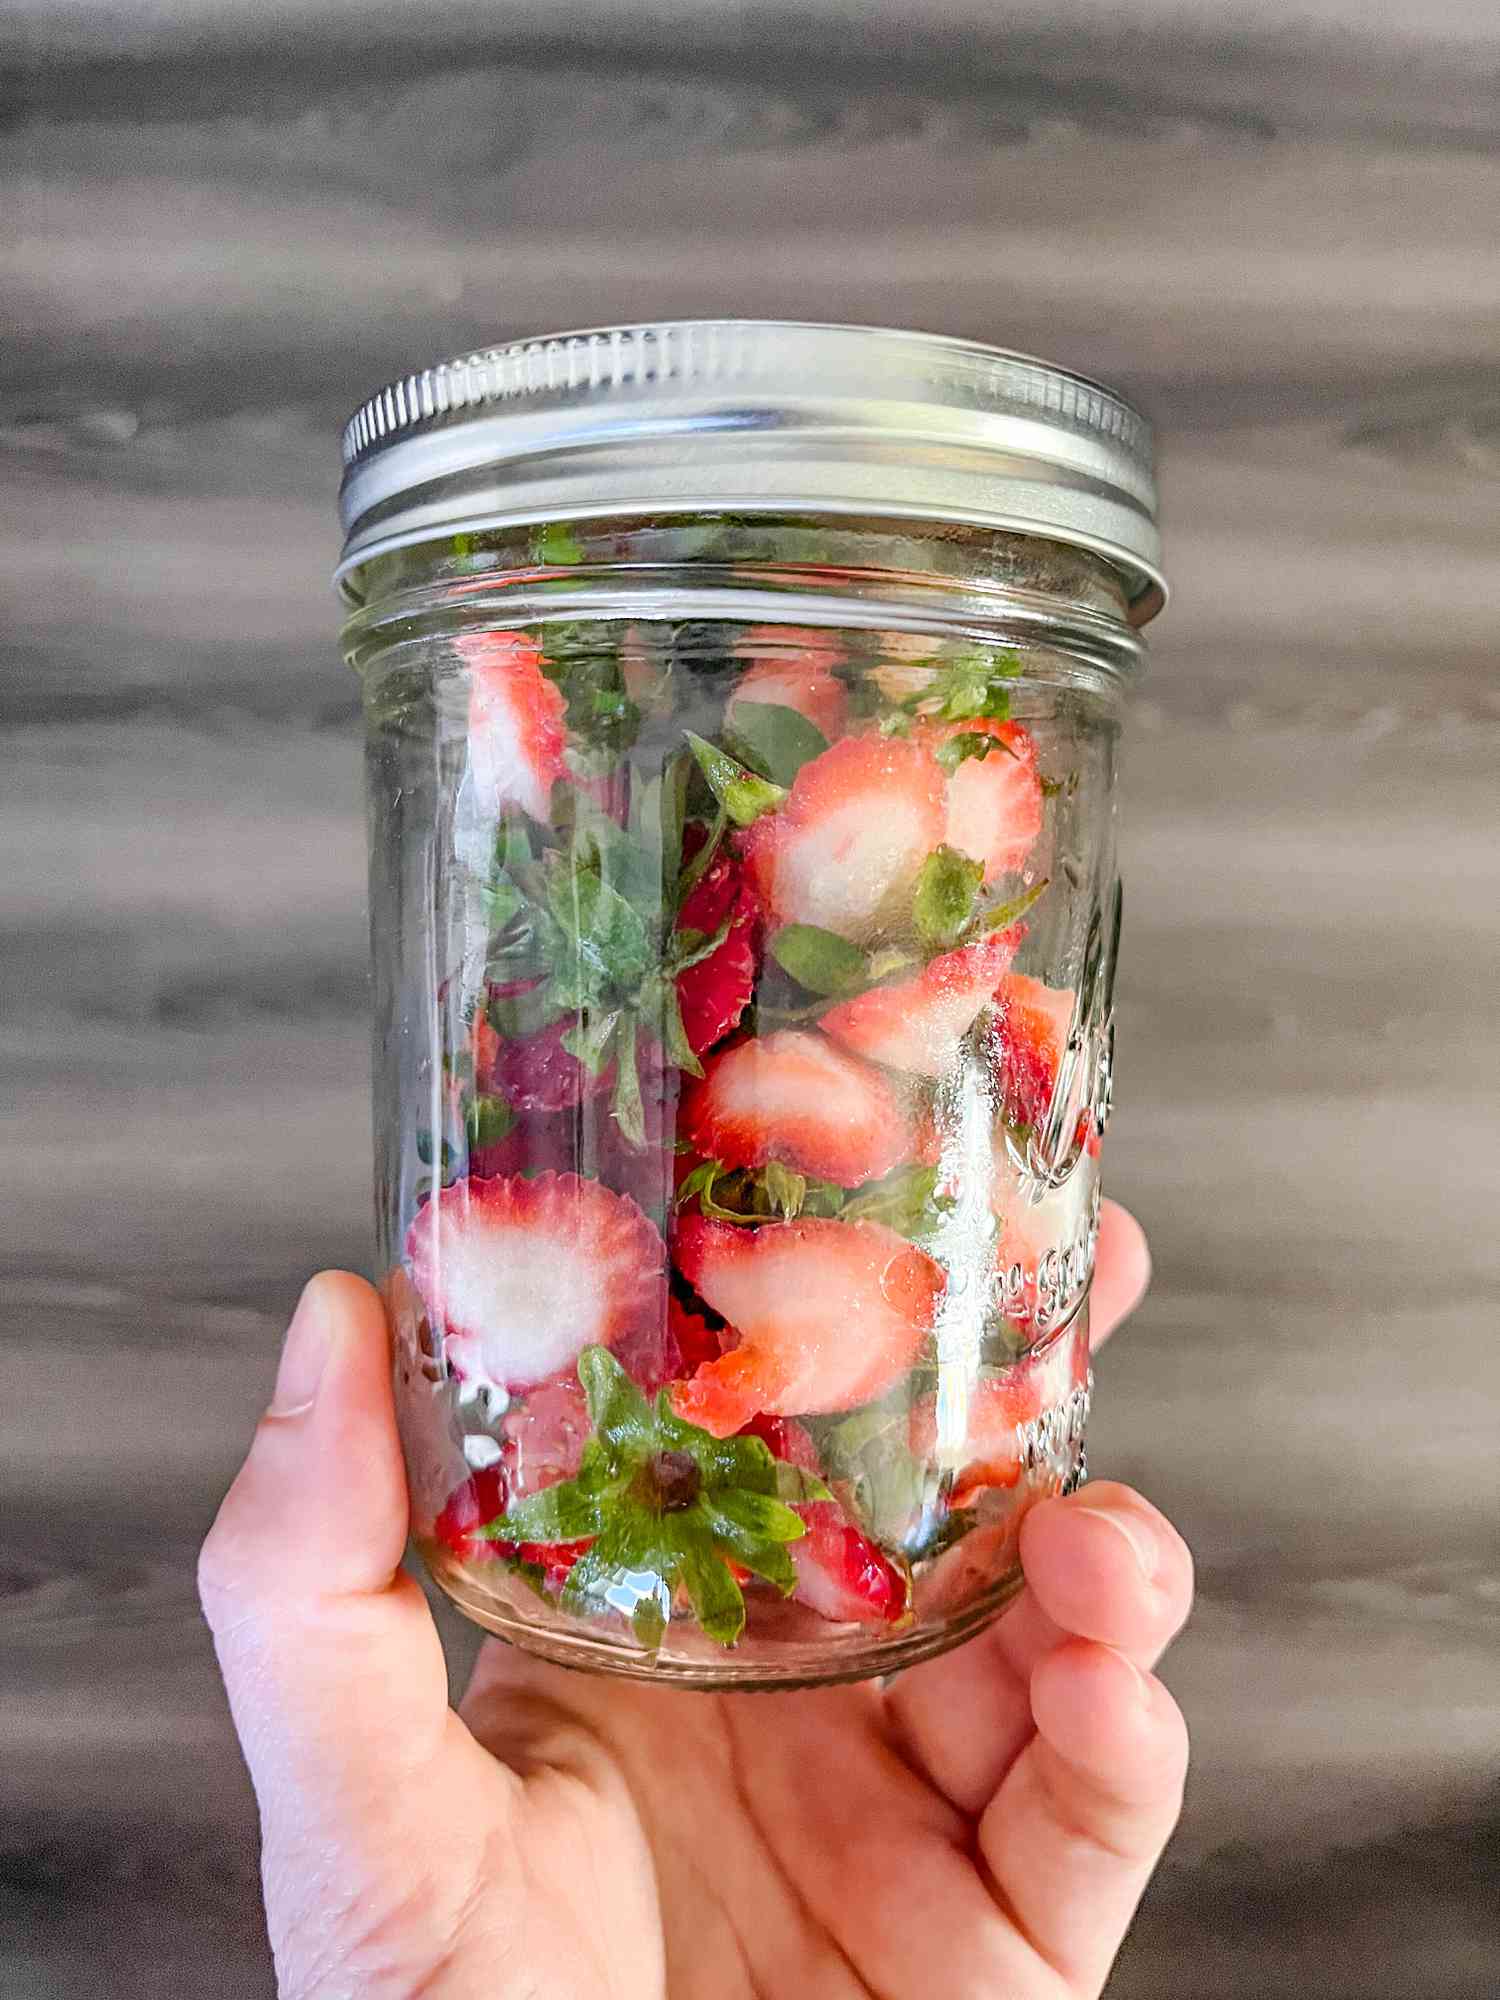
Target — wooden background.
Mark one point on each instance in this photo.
(220, 225)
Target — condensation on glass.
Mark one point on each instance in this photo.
(742, 706)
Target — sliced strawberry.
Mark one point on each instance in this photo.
(535, 1072)
(486, 1045)
(1027, 1038)
(695, 1340)
(653, 1356)
(995, 802)
(796, 1098)
(482, 1499)
(845, 848)
(543, 1434)
(537, 1141)
(845, 1576)
(804, 684)
(917, 1024)
(829, 1314)
(589, 1137)
(715, 992)
(841, 1573)
(972, 1567)
(787, 1440)
(516, 734)
(524, 1274)
(473, 1505)
(992, 1453)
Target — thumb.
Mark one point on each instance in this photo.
(333, 1666)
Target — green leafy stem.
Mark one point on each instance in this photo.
(972, 686)
(592, 926)
(907, 1200)
(947, 911)
(665, 1509)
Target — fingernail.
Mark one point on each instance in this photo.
(303, 1355)
(1136, 1535)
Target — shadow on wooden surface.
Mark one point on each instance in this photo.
(220, 233)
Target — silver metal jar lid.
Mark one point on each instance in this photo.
(764, 416)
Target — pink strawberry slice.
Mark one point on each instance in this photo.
(797, 1098)
(917, 1024)
(991, 1454)
(482, 1499)
(829, 1315)
(995, 802)
(804, 684)
(841, 1573)
(516, 733)
(715, 992)
(845, 848)
(524, 1274)
(1028, 1036)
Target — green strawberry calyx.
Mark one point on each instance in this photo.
(665, 1508)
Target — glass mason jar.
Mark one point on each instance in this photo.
(742, 705)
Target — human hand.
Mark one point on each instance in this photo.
(983, 1826)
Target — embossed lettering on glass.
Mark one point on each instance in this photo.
(742, 706)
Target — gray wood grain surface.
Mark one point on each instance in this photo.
(222, 222)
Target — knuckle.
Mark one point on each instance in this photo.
(228, 1558)
(220, 1570)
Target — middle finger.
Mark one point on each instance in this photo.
(1103, 1564)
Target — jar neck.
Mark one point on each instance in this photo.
(935, 579)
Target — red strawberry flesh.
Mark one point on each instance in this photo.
(714, 993)
(917, 1024)
(1035, 1221)
(989, 1452)
(841, 1572)
(796, 1098)
(516, 733)
(1028, 1036)
(829, 1315)
(524, 1274)
(535, 1072)
(481, 1500)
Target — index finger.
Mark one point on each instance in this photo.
(1122, 1271)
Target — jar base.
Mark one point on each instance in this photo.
(756, 1666)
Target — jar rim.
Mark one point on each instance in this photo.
(754, 416)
